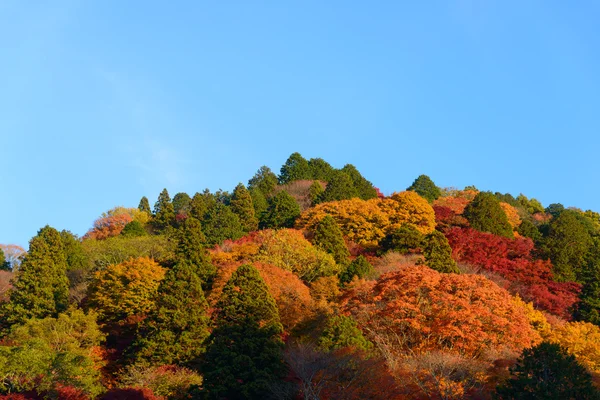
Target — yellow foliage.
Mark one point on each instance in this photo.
(141, 216)
(536, 318)
(582, 340)
(512, 214)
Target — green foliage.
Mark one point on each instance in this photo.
(340, 187)
(220, 223)
(588, 308)
(282, 211)
(48, 351)
(190, 249)
(359, 267)
(328, 237)
(4, 265)
(164, 212)
(485, 214)
(438, 253)
(169, 381)
(315, 191)
(567, 245)
(364, 188)
(341, 331)
(403, 240)
(528, 229)
(41, 288)
(509, 199)
(425, 187)
(243, 356)
(320, 169)
(200, 204)
(241, 205)
(134, 229)
(295, 168)
(145, 205)
(175, 330)
(532, 205)
(259, 202)
(555, 209)
(182, 203)
(546, 371)
(74, 253)
(264, 181)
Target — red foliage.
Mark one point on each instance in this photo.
(130, 394)
(19, 396)
(108, 226)
(70, 393)
(379, 194)
(512, 259)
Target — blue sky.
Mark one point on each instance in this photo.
(103, 102)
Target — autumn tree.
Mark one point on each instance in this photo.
(264, 181)
(190, 249)
(547, 371)
(145, 205)
(282, 211)
(176, 328)
(243, 356)
(220, 223)
(339, 187)
(438, 253)
(241, 205)
(364, 188)
(425, 187)
(360, 267)
(164, 212)
(41, 288)
(328, 237)
(320, 169)
(485, 214)
(295, 168)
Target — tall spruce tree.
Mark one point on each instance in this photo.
(282, 211)
(175, 331)
(264, 180)
(41, 288)
(340, 187)
(243, 356)
(364, 188)
(295, 168)
(485, 214)
(145, 205)
(329, 237)
(190, 250)
(164, 212)
(241, 205)
(425, 187)
(438, 253)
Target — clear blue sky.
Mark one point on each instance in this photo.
(103, 102)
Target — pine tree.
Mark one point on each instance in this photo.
(320, 170)
(145, 205)
(264, 180)
(74, 254)
(485, 214)
(259, 202)
(340, 187)
(241, 205)
(243, 356)
(295, 168)
(182, 203)
(403, 240)
(175, 331)
(359, 267)
(329, 238)
(425, 187)
(438, 253)
(364, 188)
(41, 288)
(528, 229)
(164, 212)
(282, 211)
(190, 249)
(315, 191)
(200, 204)
(220, 223)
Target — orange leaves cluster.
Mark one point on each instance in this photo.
(457, 200)
(426, 310)
(112, 222)
(512, 214)
(366, 222)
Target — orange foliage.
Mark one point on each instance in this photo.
(428, 311)
(457, 200)
(512, 214)
(112, 222)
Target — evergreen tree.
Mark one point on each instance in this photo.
(243, 356)
(41, 288)
(328, 237)
(403, 240)
(4, 265)
(164, 212)
(364, 188)
(315, 191)
(295, 168)
(547, 371)
(220, 223)
(182, 203)
(528, 229)
(360, 268)
(555, 209)
(588, 308)
(342, 331)
(134, 229)
(264, 180)
(259, 202)
(200, 204)
(241, 205)
(74, 253)
(340, 187)
(320, 169)
(425, 187)
(145, 205)
(485, 214)
(190, 249)
(175, 331)
(282, 211)
(438, 253)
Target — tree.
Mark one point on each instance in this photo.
(485, 214)
(264, 181)
(425, 187)
(342, 331)
(175, 330)
(555, 209)
(588, 307)
(259, 202)
(403, 240)
(364, 188)
(315, 191)
(134, 229)
(528, 229)
(243, 356)
(438, 253)
(182, 203)
(328, 237)
(282, 211)
(220, 223)
(41, 288)
(145, 205)
(241, 205)
(190, 249)
(546, 371)
(4, 265)
(164, 212)
(320, 169)
(339, 187)
(295, 168)
(359, 267)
